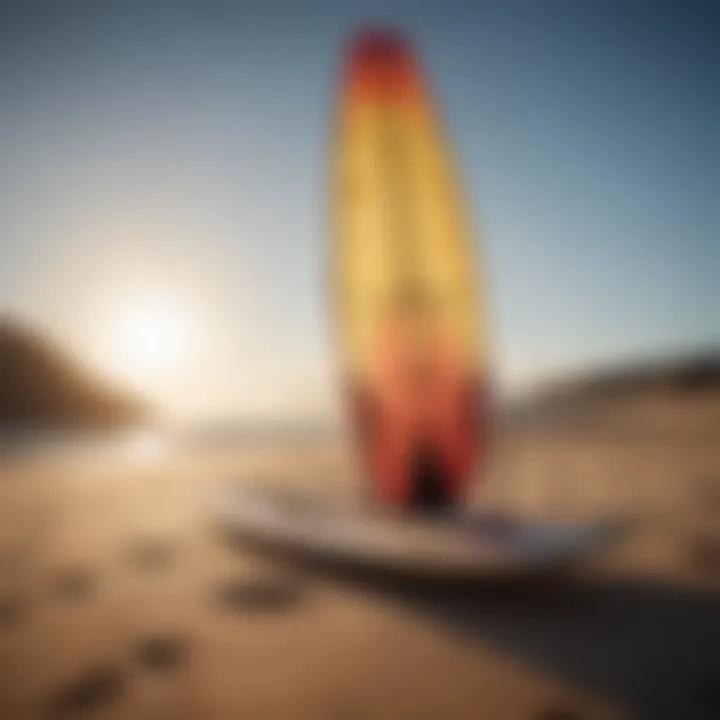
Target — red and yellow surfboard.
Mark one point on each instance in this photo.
(404, 284)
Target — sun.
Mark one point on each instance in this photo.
(151, 338)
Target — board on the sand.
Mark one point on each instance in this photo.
(405, 298)
(403, 283)
(460, 547)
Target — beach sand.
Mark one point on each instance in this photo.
(118, 599)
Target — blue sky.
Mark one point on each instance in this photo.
(176, 151)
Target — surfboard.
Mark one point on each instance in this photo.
(462, 548)
(404, 286)
(409, 332)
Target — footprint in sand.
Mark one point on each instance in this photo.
(74, 583)
(89, 693)
(160, 653)
(259, 594)
(13, 610)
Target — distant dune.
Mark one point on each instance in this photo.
(696, 372)
(638, 393)
(42, 387)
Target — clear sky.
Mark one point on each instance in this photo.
(166, 160)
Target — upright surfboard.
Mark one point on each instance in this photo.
(404, 288)
(406, 307)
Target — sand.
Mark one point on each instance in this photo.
(119, 600)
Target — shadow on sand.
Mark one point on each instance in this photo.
(653, 648)
(649, 646)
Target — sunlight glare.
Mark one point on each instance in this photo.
(151, 339)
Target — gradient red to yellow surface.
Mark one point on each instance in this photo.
(404, 283)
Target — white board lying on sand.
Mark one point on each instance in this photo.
(461, 547)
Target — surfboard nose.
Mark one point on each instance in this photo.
(379, 64)
(378, 43)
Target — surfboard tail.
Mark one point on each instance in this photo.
(423, 471)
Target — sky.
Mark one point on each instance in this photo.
(168, 160)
